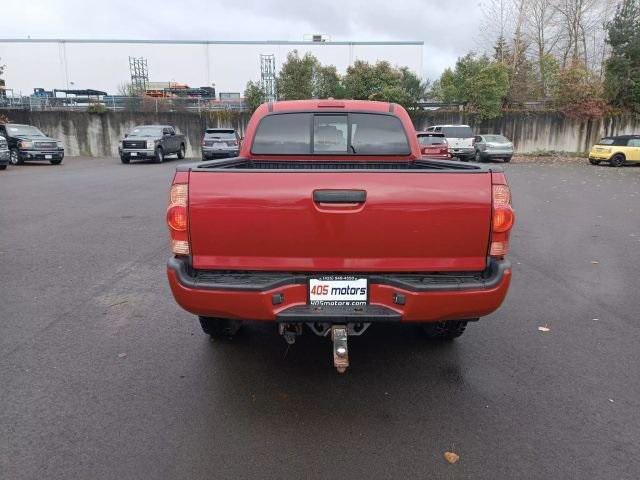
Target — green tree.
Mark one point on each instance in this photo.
(381, 81)
(479, 82)
(295, 80)
(254, 95)
(622, 68)
(364, 79)
(549, 70)
(327, 82)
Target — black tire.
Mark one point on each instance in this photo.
(57, 161)
(617, 160)
(124, 159)
(506, 159)
(181, 151)
(159, 157)
(593, 161)
(464, 158)
(3, 167)
(14, 157)
(478, 157)
(444, 330)
(219, 327)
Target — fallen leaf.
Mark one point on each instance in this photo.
(595, 262)
(122, 355)
(544, 329)
(611, 400)
(451, 457)
(595, 319)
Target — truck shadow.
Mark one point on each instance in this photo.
(393, 368)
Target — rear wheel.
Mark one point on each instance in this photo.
(219, 327)
(3, 167)
(181, 152)
(478, 157)
(463, 158)
(159, 158)
(444, 330)
(507, 159)
(593, 161)
(617, 160)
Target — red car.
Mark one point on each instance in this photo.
(331, 218)
(433, 145)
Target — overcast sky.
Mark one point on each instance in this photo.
(449, 29)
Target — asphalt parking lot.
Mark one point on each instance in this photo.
(103, 376)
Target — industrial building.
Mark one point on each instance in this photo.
(104, 65)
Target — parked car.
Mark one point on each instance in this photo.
(331, 218)
(493, 147)
(220, 143)
(151, 141)
(617, 150)
(460, 138)
(4, 153)
(27, 142)
(433, 145)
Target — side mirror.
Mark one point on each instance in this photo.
(126, 135)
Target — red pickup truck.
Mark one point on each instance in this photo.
(331, 218)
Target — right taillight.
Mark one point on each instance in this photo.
(502, 220)
(177, 219)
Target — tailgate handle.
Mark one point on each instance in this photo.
(339, 196)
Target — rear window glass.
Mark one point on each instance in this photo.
(620, 142)
(223, 134)
(496, 138)
(428, 140)
(457, 132)
(378, 135)
(284, 134)
(291, 133)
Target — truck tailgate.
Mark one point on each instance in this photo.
(269, 220)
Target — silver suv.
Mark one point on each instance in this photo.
(460, 139)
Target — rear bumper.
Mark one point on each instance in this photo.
(462, 151)
(488, 154)
(282, 296)
(211, 153)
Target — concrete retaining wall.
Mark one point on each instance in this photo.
(98, 134)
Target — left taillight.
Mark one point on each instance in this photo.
(177, 218)
(502, 220)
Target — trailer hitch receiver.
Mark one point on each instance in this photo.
(339, 337)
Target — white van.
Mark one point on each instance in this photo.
(460, 138)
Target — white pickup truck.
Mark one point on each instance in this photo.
(460, 138)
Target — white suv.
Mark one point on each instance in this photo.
(460, 138)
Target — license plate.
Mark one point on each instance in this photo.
(48, 157)
(134, 154)
(218, 146)
(338, 291)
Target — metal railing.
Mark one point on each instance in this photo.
(120, 103)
